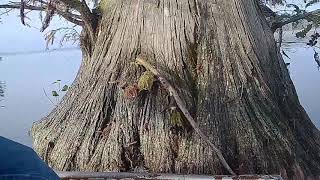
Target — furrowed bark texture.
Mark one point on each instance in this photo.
(221, 56)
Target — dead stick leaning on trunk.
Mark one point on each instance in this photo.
(182, 106)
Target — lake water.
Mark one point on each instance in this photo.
(306, 77)
(25, 79)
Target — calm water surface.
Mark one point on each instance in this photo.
(306, 77)
(25, 78)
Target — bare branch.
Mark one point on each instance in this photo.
(22, 15)
(87, 17)
(6, 12)
(18, 6)
(45, 93)
(74, 4)
(73, 18)
(295, 18)
(50, 13)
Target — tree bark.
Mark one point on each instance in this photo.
(222, 58)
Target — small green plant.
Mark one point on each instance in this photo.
(57, 92)
(146, 81)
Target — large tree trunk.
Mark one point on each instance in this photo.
(221, 56)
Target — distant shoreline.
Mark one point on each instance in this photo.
(17, 53)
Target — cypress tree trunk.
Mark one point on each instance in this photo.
(222, 58)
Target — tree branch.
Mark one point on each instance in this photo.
(18, 6)
(87, 17)
(22, 15)
(73, 18)
(135, 175)
(182, 106)
(295, 18)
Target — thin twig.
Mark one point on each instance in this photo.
(45, 93)
(182, 106)
(22, 14)
(87, 17)
(280, 38)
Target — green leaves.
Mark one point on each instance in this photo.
(55, 94)
(146, 81)
(65, 88)
(58, 90)
(57, 81)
